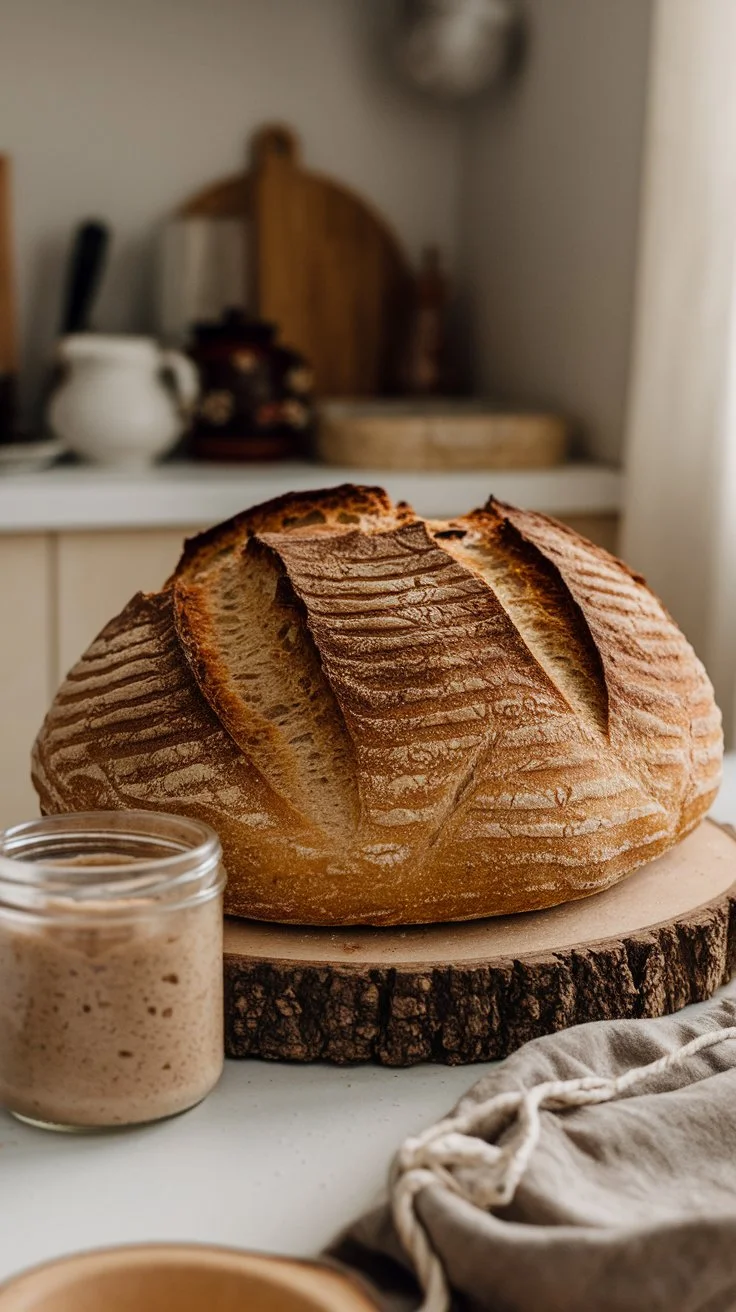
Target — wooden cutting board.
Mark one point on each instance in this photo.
(322, 263)
(476, 991)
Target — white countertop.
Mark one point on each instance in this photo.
(278, 1158)
(182, 494)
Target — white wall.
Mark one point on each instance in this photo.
(123, 109)
(120, 110)
(550, 212)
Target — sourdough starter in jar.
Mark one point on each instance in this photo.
(111, 1009)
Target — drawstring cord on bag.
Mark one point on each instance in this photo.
(438, 1155)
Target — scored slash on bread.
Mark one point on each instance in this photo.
(264, 677)
(392, 720)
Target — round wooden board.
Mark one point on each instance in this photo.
(475, 991)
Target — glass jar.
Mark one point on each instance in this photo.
(111, 1008)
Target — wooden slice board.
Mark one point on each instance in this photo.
(476, 991)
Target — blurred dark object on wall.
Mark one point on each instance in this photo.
(256, 400)
(83, 274)
(8, 329)
(455, 49)
(425, 370)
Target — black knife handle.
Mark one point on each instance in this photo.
(87, 258)
(7, 408)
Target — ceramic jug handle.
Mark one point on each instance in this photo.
(184, 373)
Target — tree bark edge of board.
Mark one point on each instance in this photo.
(460, 1014)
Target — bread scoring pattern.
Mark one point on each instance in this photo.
(390, 720)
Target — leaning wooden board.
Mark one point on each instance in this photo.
(476, 991)
(325, 266)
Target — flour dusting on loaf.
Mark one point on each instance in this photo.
(390, 720)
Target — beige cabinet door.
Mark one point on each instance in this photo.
(26, 659)
(98, 572)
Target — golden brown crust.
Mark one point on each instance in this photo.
(393, 721)
(661, 711)
(128, 728)
(331, 507)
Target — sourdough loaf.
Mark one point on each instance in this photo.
(390, 720)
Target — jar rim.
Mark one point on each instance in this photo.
(36, 861)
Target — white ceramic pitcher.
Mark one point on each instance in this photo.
(114, 405)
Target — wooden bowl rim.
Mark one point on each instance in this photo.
(291, 1273)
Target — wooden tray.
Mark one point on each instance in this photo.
(437, 434)
(476, 991)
